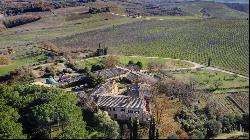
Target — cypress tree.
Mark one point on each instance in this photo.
(136, 128)
(157, 134)
(105, 51)
(152, 128)
(209, 62)
(130, 128)
(121, 130)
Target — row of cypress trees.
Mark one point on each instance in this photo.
(134, 129)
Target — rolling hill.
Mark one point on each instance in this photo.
(184, 8)
(223, 36)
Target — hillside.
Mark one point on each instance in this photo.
(226, 42)
(239, 7)
(124, 69)
(187, 37)
(180, 8)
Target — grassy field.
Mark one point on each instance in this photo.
(171, 17)
(225, 41)
(4, 69)
(65, 22)
(123, 60)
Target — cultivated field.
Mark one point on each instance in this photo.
(225, 41)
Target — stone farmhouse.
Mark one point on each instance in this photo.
(123, 104)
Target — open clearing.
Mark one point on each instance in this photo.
(123, 60)
(5, 69)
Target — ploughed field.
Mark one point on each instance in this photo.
(225, 41)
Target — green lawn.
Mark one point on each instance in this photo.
(88, 63)
(123, 60)
(145, 61)
(20, 62)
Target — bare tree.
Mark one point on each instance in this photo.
(110, 61)
(188, 93)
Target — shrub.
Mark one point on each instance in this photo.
(213, 128)
(14, 21)
(50, 46)
(196, 134)
(110, 61)
(173, 136)
(4, 60)
(131, 62)
(139, 64)
(97, 67)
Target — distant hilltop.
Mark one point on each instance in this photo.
(231, 1)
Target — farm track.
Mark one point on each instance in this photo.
(196, 65)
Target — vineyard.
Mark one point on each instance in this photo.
(227, 105)
(225, 41)
(241, 100)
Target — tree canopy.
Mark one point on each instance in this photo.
(34, 111)
(106, 125)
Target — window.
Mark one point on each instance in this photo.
(130, 111)
(123, 110)
(115, 116)
(113, 109)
